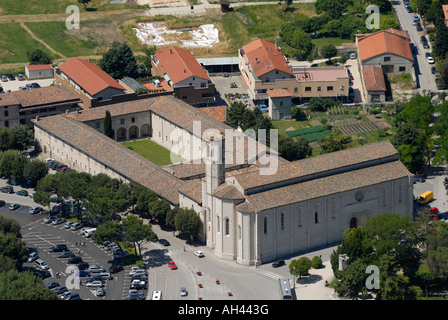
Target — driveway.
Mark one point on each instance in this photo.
(425, 79)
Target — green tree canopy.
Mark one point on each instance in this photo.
(39, 57)
(119, 62)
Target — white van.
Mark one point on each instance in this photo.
(157, 295)
(41, 264)
(89, 232)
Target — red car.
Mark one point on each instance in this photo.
(172, 265)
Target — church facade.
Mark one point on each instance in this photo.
(247, 216)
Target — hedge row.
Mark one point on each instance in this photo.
(301, 132)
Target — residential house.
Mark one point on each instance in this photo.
(87, 81)
(185, 76)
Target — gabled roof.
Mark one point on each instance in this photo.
(35, 67)
(88, 76)
(385, 41)
(265, 56)
(373, 78)
(180, 64)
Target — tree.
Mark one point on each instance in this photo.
(107, 232)
(137, 232)
(108, 131)
(292, 149)
(13, 247)
(84, 2)
(15, 285)
(440, 47)
(21, 137)
(119, 62)
(39, 57)
(442, 69)
(335, 142)
(419, 112)
(300, 267)
(235, 114)
(298, 114)
(187, 222)
(334, 8)
(410, 144)
(12, 163)
(352, 280)
(159, 210)
(35, 170)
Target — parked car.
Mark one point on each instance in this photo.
(60, 289)
(7, 189)
(424, 42)
(59, 248)
(82, 266)
(183, 292)
(100, 292)
(35, 210)
(419, 27)
(68, 224)
(52, 284)
(116, 268)
(76, 226)
(20, 77)
(96, 269)
(429, 58)
(13, 206)
(33, 256)
(4, 78)
(278, 263)
(83, 273)
(66, 254)
(137, 271)
(2, 203)
(95, 283)
(35, 85)
(50, 219)
(172, 265)
(75, 260)
(58, 221)
(433, 70)
(11, 77)
(23, 193)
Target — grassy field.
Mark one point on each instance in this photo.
(28, 7)
(153, 152)
(15, 42)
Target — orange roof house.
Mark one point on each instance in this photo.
(389, 41)
(89, 76)
(179, 64)
(184, 75)
(445, 13)
(265, 56)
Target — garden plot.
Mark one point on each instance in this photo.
(157, 34)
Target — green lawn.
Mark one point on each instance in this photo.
(67, 42)
(153, 152)
(15, 42)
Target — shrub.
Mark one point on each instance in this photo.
(316, 262)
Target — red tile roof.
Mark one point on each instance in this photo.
(277, 93)
(88, 75)
(384, 41)
(35, 67)
(373, 78)
(180, 64)
(216, 112)
(268, 56)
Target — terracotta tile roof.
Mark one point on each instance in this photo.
(228, 191)
(38, 97)
(277, 93)
(265, 56)
(373, 78)
(89, 76)
(115, 110)
(245, 207)
(35, 67)
(384, 41)
(321, 165)
(445, 12)
(113, 155)
(325, 186)
(216, 112)
(180, 64)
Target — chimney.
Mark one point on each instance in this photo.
(66, 111)
(37, 118)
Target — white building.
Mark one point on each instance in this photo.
(247, 216)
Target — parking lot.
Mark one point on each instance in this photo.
(14, 85)
(434, 183)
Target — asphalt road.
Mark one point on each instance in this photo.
(425, 78)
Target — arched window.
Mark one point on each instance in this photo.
(384, 197)
(299, 217)
(265, 225)
(239, 232)
(227, 226)
(218, 224)
(400, 194)
(282, 221)
(316, 213)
